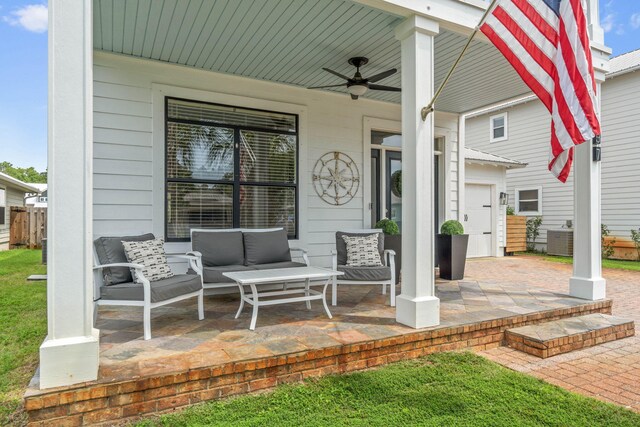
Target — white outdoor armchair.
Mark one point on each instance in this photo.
(383, 275)
(114, 284)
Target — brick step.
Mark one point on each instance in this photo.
(565, 335)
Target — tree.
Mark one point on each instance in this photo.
(30, 174)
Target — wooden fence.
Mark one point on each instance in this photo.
(28, 227)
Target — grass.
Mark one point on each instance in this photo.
(617, 264)
(23, 323)
(447, 389)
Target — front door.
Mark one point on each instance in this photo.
(478, 220)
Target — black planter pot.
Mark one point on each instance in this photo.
(395, 243)
(452, 255)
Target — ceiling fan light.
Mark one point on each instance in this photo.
(358, 90)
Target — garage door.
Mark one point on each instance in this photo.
(478, 220)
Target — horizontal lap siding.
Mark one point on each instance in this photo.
(621, 154)
(528, 142)
(124, 146)
(122, 153)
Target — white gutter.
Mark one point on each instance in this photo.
(17, 183)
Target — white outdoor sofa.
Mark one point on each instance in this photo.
(240, 249)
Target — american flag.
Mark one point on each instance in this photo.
(547, 43)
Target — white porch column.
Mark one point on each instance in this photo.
(69, 353)
(417, 305)
(587, 281)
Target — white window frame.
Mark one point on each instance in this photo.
(491, 127)
(528, 213)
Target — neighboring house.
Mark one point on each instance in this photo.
(12, 192)
(166, 116)
(38, 200)
(521, 130)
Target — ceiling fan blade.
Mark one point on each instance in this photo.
(382, 75)
(387, 88)
(335, 73)
(354, 96)
(322, 87)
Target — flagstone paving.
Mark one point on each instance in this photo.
(609, 371)
(180, 341)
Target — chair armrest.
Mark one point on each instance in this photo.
(305, 254)
(195, 260)
(334, 259)
(183, 256)
(119, 264)
(389, 256)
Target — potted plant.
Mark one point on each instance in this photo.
(452, 250)
(392, 240)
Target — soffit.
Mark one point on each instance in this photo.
(289, 41)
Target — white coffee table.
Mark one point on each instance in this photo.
(254, 278)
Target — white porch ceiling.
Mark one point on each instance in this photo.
(289, 41)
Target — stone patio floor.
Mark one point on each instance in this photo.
(181, 342)
(610, 371)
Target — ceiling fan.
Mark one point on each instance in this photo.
(357, 85)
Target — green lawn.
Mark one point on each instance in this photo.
(23, 323)
(447, 389)
(617, 264)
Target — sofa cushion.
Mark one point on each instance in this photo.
(218, 247)
(341, 246)
(109, 250)
(362, 251)
(265, 247)
(274, 265)
(150, 254)
(365, 274)
(214, 274)
(161, 290)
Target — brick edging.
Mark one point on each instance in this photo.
(96, 403)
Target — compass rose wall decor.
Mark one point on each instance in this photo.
(336, 178)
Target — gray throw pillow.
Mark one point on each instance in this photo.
(264, 247)
(109, 250)
(219, 248)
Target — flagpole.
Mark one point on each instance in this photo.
(429, 108)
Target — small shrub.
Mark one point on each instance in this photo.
(510, 210)
(635, 236)
(606, 245)
(388, 226)
(451, 228)
(533, 231)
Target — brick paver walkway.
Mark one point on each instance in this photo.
(610, 371)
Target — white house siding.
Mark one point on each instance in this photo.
(128, 155)
(621, 154)
(15, 197)
(528, 141)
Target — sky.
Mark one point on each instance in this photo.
(23, 71)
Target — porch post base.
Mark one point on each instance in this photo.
(69, 361)
(590, 289)
(417, 313)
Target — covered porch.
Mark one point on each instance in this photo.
(189, 361)
(113, 67)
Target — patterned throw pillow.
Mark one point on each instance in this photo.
(150, 254)
(362, 251)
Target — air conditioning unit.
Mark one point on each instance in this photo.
(560, 242)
